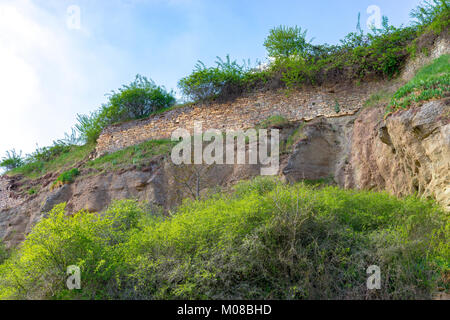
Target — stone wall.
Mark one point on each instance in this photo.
(242, 113)
(248, 111)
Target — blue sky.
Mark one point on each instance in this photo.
(50, 71)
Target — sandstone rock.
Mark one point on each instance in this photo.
(407, 153)
(58, 196)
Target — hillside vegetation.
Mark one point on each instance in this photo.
(261, 239)
(265, 240)
(430, 82)
(294, 61)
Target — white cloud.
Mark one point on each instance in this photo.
(48, 73)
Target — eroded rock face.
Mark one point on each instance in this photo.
(407, 153)
(322, 151)
(159, 183)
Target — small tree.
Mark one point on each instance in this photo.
(138, 100)
(208, 82)
(429, 10)
(12, 160)
(134, 101)
(283, 42)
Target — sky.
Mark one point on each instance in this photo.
(59, 58)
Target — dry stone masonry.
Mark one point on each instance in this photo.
(242, 113)
(246, 112)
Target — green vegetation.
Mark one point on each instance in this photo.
(68, 176)
(273, 121)
(380, 53)
(337, 107)
(34, 168)
(205, 83)
(137, 100)
(264, 241)
(430, 82)
(12, 160)
(4, 254)
(295, 137)
(138, 155)
(432, 15)
(284, 42)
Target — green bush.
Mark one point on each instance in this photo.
(432, 13)
(12, 160)
(90, 126)
(380, 53)
(91, 241)
(206, 83)
(68, 176)
(138, 100)
(266, 240)
(284, 42)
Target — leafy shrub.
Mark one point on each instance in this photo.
(434, 13)
(137, 100)
(284, 42)
(67, 177)
(379, 53)
(265, 241)
(206, 83)
(90, 126)
(12, 160)
(91, 241)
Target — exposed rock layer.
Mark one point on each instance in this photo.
(407, 153)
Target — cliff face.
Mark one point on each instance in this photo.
(407, 153)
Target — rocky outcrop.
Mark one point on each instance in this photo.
(322, 152)
(408, 153)
(159, 183)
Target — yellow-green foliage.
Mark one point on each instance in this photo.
(430, 82)
(136, 155)
(266, 240)
(37, 168)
